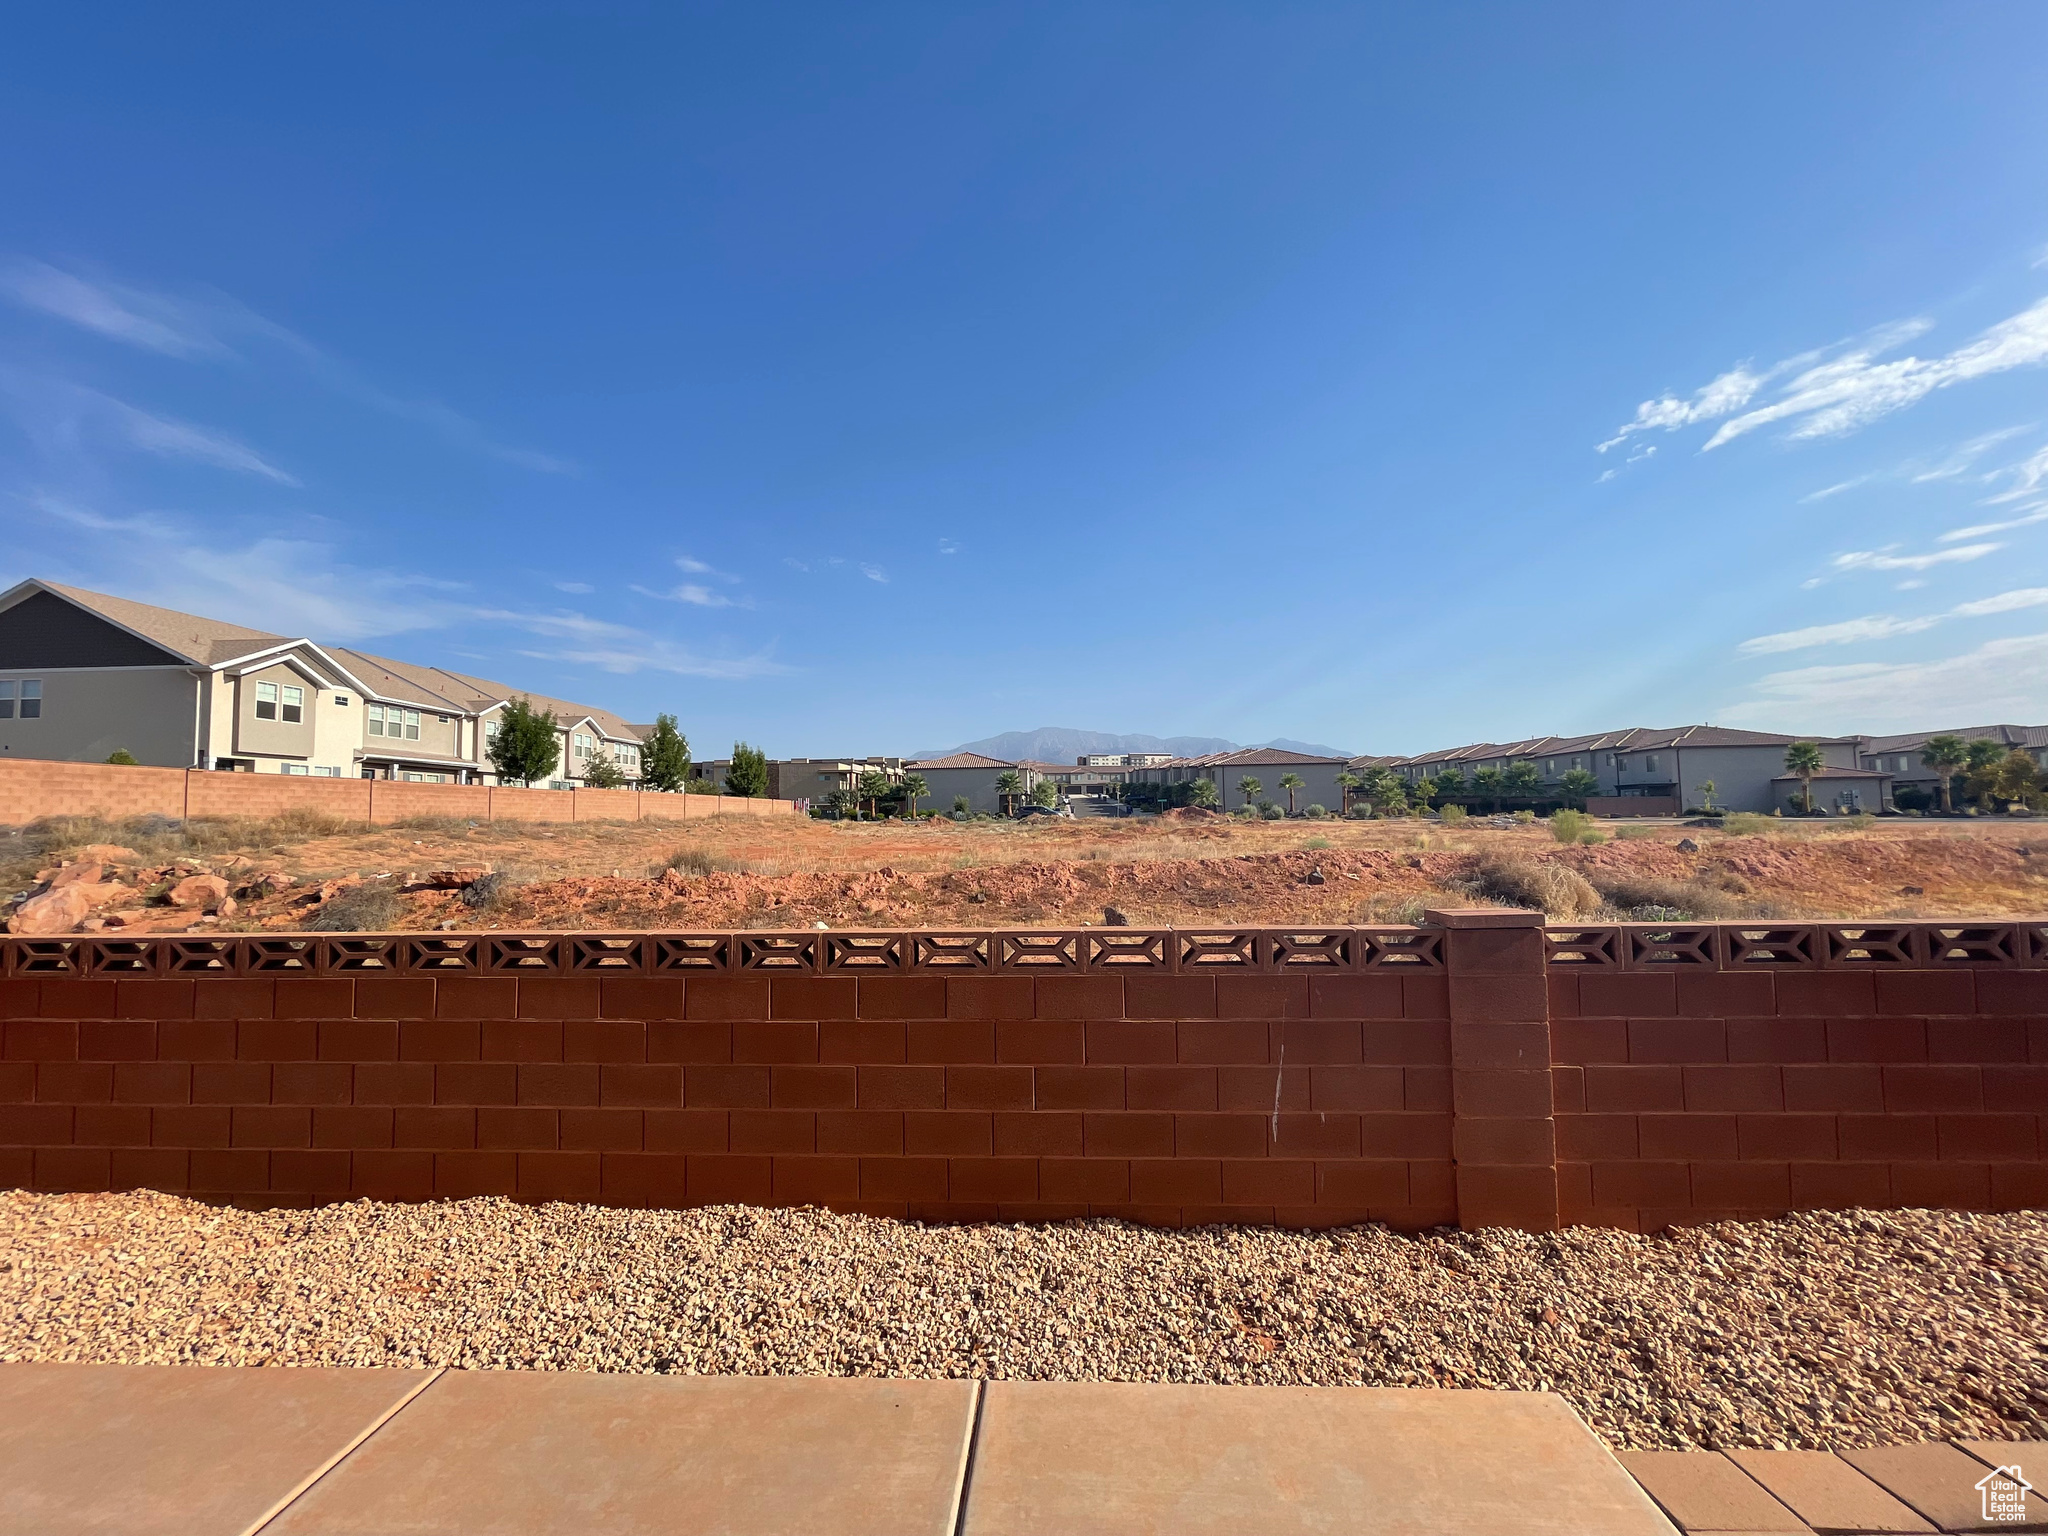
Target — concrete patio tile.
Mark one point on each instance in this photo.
(1703, 1491)
(1828, 1493)
(1941, 1483)
(172, 1450)
(1119, 1459)
(546, 1453)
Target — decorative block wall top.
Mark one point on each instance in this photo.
(1223, 950)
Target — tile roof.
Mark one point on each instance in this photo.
(1833, 773)
(207, 642)
(1634, 739)
(960, 760)
(2030, 736)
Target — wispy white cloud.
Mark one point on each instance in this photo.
(2001, 679)
(1883, 626)
(1847, 632)
(1963, 458)
(1835, 391)
(213, 325)
(692, 567)
(694, 594)
(949, 546)
(125, 314)
(620, 649)
(1884, 560)
(578, 588)
(1978, 530)
(1836, 489)
(70, 420)
(2029, 478)
(2004, 602)
(874, 572)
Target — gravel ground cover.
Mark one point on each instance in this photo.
(1819, 1331)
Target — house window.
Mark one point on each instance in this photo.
(297, 770)
(342, 700)
(28, 691)
(294, 704)
(1650, 764)
(266, 701)
(443, 719)
(393, 721)
(326, 773)
(376, 719)
(412, 725)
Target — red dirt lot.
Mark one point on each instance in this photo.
(1185, 869)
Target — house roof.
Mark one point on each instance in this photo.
(1832, 773)
(960, 760)
(204, 642)
(1253, 757)
(2031, 736)
(1634, 739)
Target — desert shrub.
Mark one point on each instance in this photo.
(1317, 842)
(1745, 824)
(1451, 815)
(1271, 813)
(1554, 889)
(1317, 812)
(121, 757)
(489, 892)
(1672, 900)
(365, 908)
(697, 861)
(1570, 826)
(451, 826)
(1629, 834)
(1524, 818)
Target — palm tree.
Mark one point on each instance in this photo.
(1521, 779)
(1707, 794)
(1804, 759)
(1009, 786)
(1202, 792)
(1945, 754)
(1291, 782)
(1250, 788)
(1488, 782)
(1577, 784)
(872, 785)
(915, 789)
(1346, 782)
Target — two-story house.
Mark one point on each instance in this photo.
(83, 675)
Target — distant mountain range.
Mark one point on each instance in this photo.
(1060, 744)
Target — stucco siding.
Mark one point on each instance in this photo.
(88, 714)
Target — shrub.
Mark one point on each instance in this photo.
(1317, 812)
(366, 908)
(1630, 834)
(1570, 826)
(1451, 815)
(1317, 842)
(962, 806)
(1665, 899)
(1745, 824)
(1272, 813)
(1524, 818)
(696, 861)
(121, 757)
(603, 773)
(1554, 889)
(488, 892)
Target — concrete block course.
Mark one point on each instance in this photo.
(1517, 1074)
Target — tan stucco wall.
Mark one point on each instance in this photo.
(88, 713)
(274, 738)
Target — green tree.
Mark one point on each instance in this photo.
(1385, 794)
(1521, 779)
(603, 773)
(1449, 781)
(1577, 784)
(1981, 766)
(1489, 782)
(525, 746)
(915, 788)
(121, 757)
(1250, 788)
(748, 773)
(1009, 788)
(2018, 779)
(1347, 781)
(1707, 788)
(1202, 793)
(962, 806)
(1945, 754)
(665, 756)
(1804, 759)
(1292, 782)
(1045, 793)
(870, 787)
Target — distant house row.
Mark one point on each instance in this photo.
(83, 675)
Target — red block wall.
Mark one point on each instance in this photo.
(1696, 1096)
(1164, 1099)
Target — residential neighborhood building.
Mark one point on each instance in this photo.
(1902, 757)
(972, 777)
(180, 691)
(1666, 770)
(1268, 765)
(814, 778)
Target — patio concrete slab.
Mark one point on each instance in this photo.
(1128, 1459)
(1704, 1491)
(522, 1453)
(154, 1450)
(1828, 1493)
(1941, 1483)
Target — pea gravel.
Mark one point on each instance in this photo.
(1818, 1331)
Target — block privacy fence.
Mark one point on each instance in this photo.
(1483, 1070)
(31, 788)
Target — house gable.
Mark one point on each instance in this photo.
(43, 630)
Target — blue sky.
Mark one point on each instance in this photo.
(854, 379)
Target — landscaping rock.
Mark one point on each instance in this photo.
(1687, 845)
(1313, 877)
(1115, 917)
(203, 892)
(52, 912)
(76, 874)
(107, 853)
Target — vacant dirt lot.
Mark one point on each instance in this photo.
(1189, 869)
